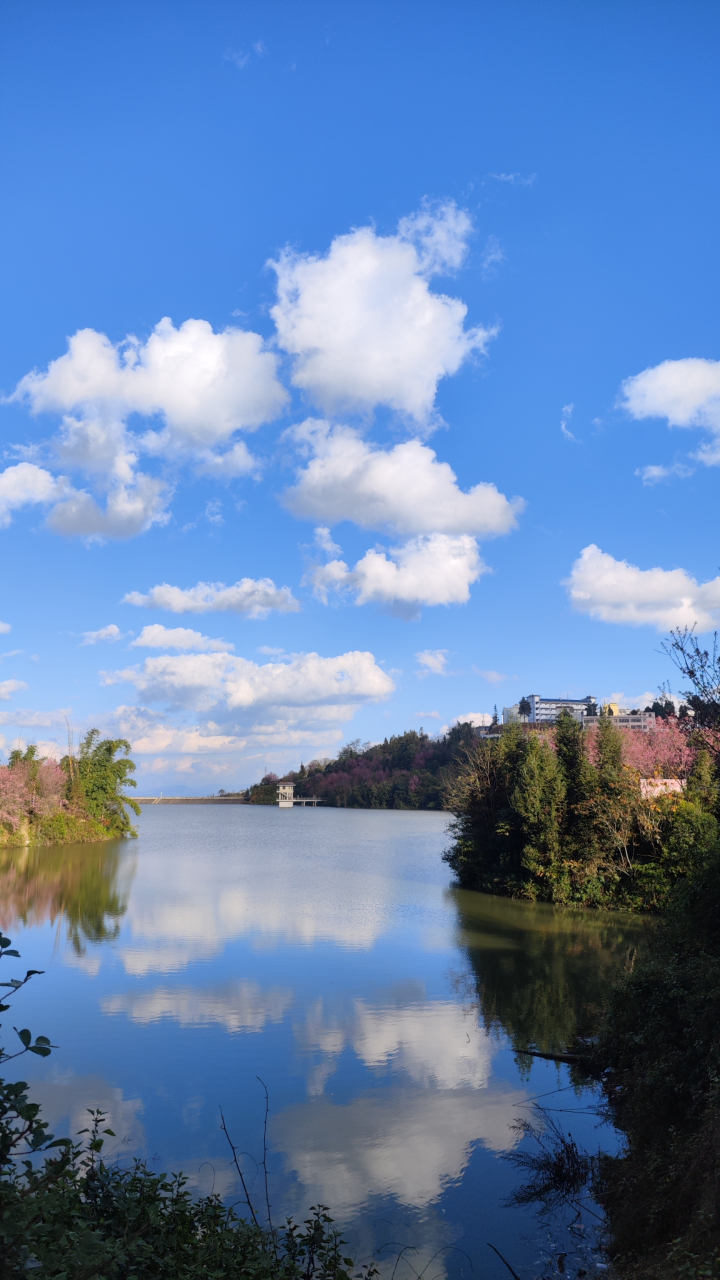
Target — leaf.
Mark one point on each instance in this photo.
(110, 1131)
(11, 953)
(40, 1049)
(4, 942)
(31, 973)
(41, 1040)
(4, 1008)
(25, 1036)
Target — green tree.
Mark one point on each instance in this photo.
(96, 778)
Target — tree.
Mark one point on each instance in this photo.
(702, 668)
(96, 779)
(524, 707)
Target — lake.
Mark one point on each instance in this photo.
(326, 952)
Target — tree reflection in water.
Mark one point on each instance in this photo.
(87, 885)
(543, 973)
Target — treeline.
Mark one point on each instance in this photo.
(564, 816)
(79, 799)
(407, 771)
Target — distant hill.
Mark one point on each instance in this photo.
(409, 771)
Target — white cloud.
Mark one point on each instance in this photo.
(24, 485)
(28, 718)
(324, 542)
(404, 489)
(112, 632)
(433, 569)
(204, 681)
(362, 322)
(515, 179)
(4, 628)
(251, 596)
(130, 509)
(185, 741)
(492, 677)
(434, 660)
(654, 474)
(566, 415)
(685, 392)
(156, 636)
(204, 385)
(481, 719)
(237, 461)
(9, 687)
(615, 591)
(492, 256)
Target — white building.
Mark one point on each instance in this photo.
(547, 710)
(286, 795)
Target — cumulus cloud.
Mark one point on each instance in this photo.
(434, 660)
(480, 719)
(24, 485)
(130, 509)
(9, 687)
(252, 596)
(615, 591)
(4, 628)
(404, 489)
(238, 461)
(156, 636)
(492, 677)
(198, 385)
(433, 569)
(362, 323)
(204, 681)
(685, 392)
(203, 385)
(112, 632)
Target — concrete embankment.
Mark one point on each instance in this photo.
(189, 800)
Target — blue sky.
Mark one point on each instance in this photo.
(437, 281)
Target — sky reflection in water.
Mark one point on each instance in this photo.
(325, 952)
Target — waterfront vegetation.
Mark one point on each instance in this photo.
(563, 815)
(408, 771)
(78, 800)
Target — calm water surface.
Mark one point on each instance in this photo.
(326, 952)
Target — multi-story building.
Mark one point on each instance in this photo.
(547, 710)
(642, 721)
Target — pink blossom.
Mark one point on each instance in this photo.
(14, 796)
(664, 752)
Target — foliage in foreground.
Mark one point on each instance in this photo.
(407, 771)
(80, 799)
(563, 818)
(66, 1215)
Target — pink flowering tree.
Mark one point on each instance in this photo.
(664, 752)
